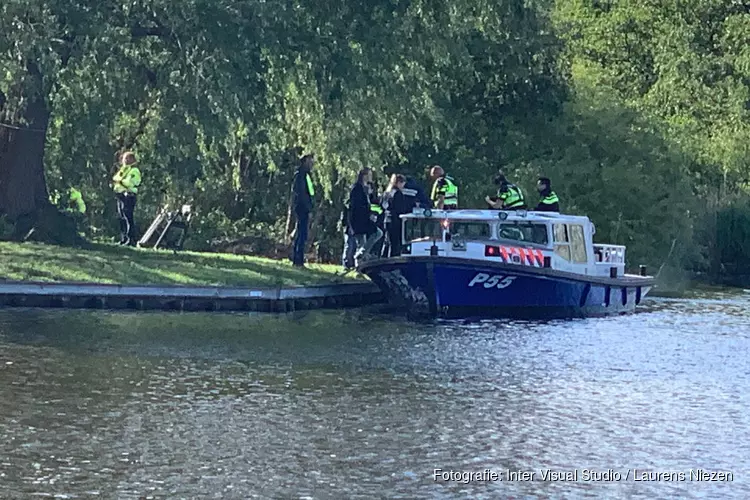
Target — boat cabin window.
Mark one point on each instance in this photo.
(577, 243)
(422, 230)
(570, 242)
(562, 248)
(561, 234)
(471, 230)
(563, 251)
(527, 232)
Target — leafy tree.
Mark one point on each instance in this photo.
(636, 110)
(684, 67)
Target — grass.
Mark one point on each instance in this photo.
(102, 263)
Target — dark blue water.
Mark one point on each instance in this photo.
(354, 405)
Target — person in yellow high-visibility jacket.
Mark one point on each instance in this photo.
(303, 202)
(125, 184)
(76, 209)
(75, 201)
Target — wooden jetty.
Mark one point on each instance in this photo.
(186, 298)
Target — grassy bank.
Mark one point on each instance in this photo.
(101, 263)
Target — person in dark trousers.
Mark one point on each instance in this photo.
(350, 244)
(395, 204)
(549, 202)
(509, 196)
(378, 212)
(303, 200)
(125, 184)
(415, 196)
(360, 217)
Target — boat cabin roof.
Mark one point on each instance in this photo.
(495, 215)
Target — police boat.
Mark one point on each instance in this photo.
(469, 263)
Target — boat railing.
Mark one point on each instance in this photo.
(609, 254)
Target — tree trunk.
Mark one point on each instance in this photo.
(23, 188)
(24, 198)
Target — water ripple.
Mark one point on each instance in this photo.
(356, 405)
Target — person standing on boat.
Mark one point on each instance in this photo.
(303, 200)
(444, 190)
(125, 185)
(549, 202)
(415, 196)
(509, 196)
(361, 219)
(394, 202)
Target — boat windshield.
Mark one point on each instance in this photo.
(422, 230)
(527, 232)
(471, 230)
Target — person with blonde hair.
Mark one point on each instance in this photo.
(125, 184)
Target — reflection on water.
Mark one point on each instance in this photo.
(354, 405)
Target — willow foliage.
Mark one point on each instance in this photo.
(632, 108)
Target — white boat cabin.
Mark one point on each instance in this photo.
(538, 239)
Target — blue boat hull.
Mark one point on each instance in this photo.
(460, 288)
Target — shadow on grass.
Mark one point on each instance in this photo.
(114, 264)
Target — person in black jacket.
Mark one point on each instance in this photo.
(350, 244)
(361, 221)
(395, 204)
(415, 195)
(303, 200)
(509, 196)
(377, 210)
(549, 202)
